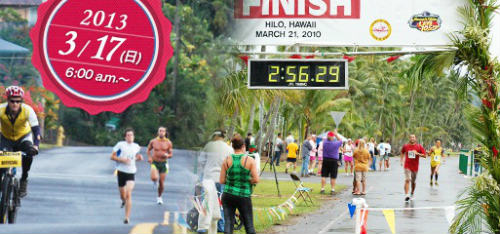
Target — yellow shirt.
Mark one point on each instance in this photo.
(292, 150)
(436, 154)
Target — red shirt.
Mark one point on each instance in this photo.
(411, 159)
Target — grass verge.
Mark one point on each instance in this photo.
(265, 196)
(44, 146)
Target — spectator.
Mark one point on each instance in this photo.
(292, 149)
(312, 155)
(361, 161)
(306, 150)
(249, 140)
(278, 149)
(238, 173)
(330, 160)
(210, 161)
(371, 149)
(348, 150)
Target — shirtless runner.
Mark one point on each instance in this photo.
(161, 148)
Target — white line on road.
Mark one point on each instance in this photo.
(330, 224)
(166, 217)
(411, 208)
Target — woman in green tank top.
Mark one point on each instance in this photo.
(238, 173)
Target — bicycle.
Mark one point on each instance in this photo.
(9, 186)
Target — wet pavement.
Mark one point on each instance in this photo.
(385, 190)
(74, 190)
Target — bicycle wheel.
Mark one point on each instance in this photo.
(4, 200)
(15, 202)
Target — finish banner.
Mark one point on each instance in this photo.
(346, 22)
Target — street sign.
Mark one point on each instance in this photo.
(103, 55)
(337, 117)
(297, 74)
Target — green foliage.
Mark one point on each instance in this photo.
(186, 114)
(479, 210)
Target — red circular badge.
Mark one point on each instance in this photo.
(101, 55)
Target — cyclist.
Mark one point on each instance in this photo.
(161, 148)
(19, 131)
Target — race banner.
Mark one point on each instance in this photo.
(345, 22)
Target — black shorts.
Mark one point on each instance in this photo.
(329, 168)
(123, 177)
(291, 160)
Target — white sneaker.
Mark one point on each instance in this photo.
(407, 198)
(412, 197)
(159, 200)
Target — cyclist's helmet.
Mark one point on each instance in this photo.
(14, 91)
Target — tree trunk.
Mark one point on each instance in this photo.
(412, 103)
(393, 135)
(262, 127)
(308, 125)
(233, 123)
(252, 116)
(177, 27)
(274, 119)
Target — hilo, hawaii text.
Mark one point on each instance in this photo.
(281, 26)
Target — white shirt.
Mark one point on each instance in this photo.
(277, 147)
(371, 147)
(349, 150)
(212, 157)
(384, 148)
(313, 150)
(127, 150)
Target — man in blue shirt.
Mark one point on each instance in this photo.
(330, 160)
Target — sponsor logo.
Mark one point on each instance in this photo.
(341, 9)
(9, 162)
(425, 22)
(380, 29)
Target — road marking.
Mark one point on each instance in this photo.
(411, 208)
(330, 224)
(166, 217)
(144, 228)
(178, 229)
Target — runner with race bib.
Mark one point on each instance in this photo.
(410, 155)
(436, 153)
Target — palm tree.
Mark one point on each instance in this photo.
(480, 207)
(232, 96)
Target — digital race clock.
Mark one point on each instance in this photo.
(297, 74)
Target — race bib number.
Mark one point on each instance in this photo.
(412, 154)
(436, 158)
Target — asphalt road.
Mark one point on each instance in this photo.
(74, 190)
(385, 190)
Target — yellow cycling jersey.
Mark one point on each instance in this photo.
(22, 124)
